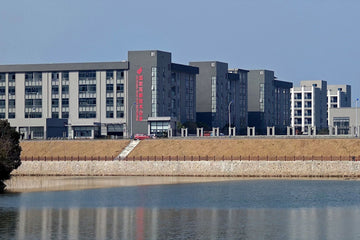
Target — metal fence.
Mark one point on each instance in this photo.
(68, 158)
(193, 158)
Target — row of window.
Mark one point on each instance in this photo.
(11, 91)
(10, 115)
(83, 75)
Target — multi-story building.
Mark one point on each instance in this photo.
(268, 101)
(282, 109)
(338, 96)
(239, 95)
(159, 88)
(261, 99)
(344, 120)
(308, 106)
(219, 90)
(97, 99)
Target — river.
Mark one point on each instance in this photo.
(186, 208)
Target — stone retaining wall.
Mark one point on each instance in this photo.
(191, 168)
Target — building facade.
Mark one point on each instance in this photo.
(239, 95)
(261, 99)
(282, 109)
(344, 121)
(338, 96)
(268, 101)
(219, 90)
(309, 106)
(89, 100)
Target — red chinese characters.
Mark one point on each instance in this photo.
(139, 94)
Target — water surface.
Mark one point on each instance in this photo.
(241, 209)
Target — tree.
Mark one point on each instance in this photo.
(9, 151)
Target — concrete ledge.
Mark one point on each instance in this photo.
(225, 168)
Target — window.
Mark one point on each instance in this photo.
(65, 89)
(55, 102)
(55, 90)
(120, 88)
(33, 114)
(2, 103)
(120, 102)
(12, 91)
(2, 115)
(87, 114)
(87, 102)
(87, 75)
(65, 114)
(54, 76)
(262, 96)
(91, 88)
(109, 88)
(55, 115)
(32, 90)
(109, 114)
(65, 102)
(109, 75)
(120, 75)
(110, 102)
(29, 76)
(11, 103)
(11, 115)
(2, 77)
(12, 77)
(2, 90)
(65, 76)
(119, 114)
(33, 103)
(213, 94)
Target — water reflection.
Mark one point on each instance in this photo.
(256, 209)
(144, 223)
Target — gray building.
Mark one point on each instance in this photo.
(89, 100)
(268, 101)
(219, 90)
(239, 96)
(282, 110)
(261, 99)
(344, 121)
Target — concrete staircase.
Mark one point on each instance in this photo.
(127, 150)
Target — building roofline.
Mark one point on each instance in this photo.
(52, 67)
(184, 68)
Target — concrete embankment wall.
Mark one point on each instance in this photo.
(192, 168)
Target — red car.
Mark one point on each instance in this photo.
(140, 136)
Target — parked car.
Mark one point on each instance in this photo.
(140, 136)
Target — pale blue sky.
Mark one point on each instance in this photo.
(298, 39)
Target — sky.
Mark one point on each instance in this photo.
(297, 39)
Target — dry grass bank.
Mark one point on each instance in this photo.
(246, 147)
(196, 147)
(73, 148)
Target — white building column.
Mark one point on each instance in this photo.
(303, 109)
(313, 103)
(292, 112)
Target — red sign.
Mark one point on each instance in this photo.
(139, 94)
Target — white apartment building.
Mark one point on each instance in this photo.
(75, 100)
(308, 106)
(311, 103)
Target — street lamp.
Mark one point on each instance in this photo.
(131, 117)
(356, 117)
(229, 109)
